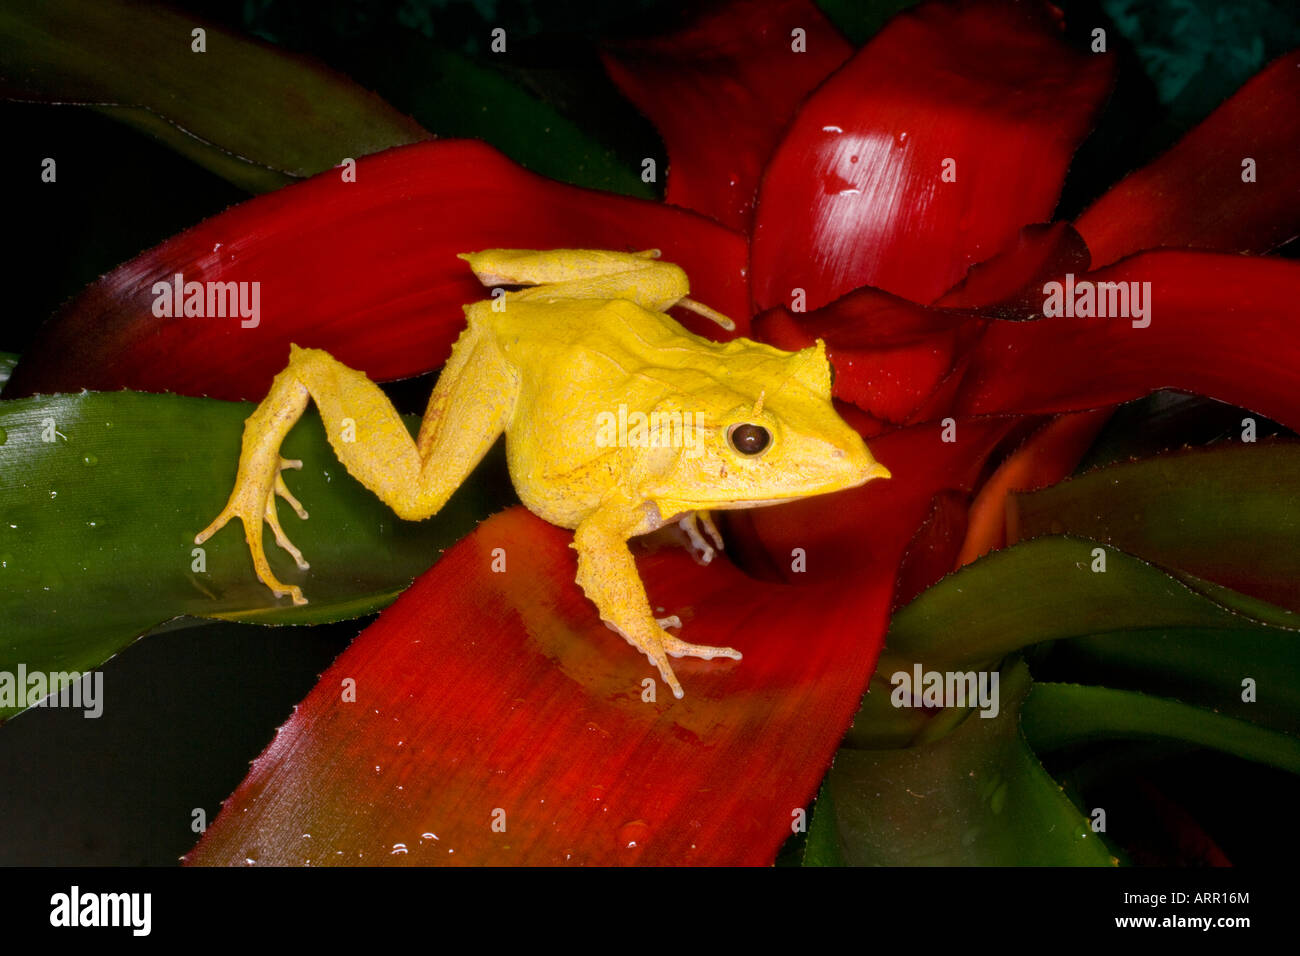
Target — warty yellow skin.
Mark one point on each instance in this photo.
(562, 367)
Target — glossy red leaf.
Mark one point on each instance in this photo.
(932, 552)
(481, 692)
(861, 535)
(1220, 325)
(722, 90)
(902, 362)
(889, 354)
(865, 425)
(1010, 285)
(854, 194)
(1194, 195)
(366, 270)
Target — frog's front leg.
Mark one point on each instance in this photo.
(607, 575)
(466, 413)
(702, 549)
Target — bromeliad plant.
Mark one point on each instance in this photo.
(895, 201)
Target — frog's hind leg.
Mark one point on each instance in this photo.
(591, 274)
(466, 413)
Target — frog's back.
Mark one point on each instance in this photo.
(575, 361)
(538, 335)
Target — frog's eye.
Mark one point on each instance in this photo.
(749, 439)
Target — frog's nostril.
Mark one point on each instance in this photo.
(837, 453)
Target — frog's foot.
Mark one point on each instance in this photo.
(253, 502)
(700, 548)
(658, 645)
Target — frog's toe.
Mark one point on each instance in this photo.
(658, 645)
(263, 568)
(679, 648)
(282, 490)
(253, 502)
(660, 660)
(291, 591)
(270, 517)
(652, 647)
(701, 549)
(217, 524)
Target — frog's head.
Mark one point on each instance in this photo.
(773, 434)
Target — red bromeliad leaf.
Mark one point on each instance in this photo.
(1010, 285)
(902, 362)
(865, 425)
(862, 534)
(932, 552)
(483, 697)
(1195, 195)
(1221, 326)
(1046, 457)
(366, 270)
(854, 195)
(889, 354)
(721, 92)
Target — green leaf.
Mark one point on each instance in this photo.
(879, 725)
(1201, 666)
(97, 527)
(977, 797)
(823, 845)
(1058, 715)
(859, 21)
(260, 117)
(1133, 626)
(8, 360)
(255, 115)
(1167, 420)
(1046, 589)
(1225, 513)
(457, 97)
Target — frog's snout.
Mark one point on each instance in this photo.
(860, 467)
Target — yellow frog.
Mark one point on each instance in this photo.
(618, 421)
